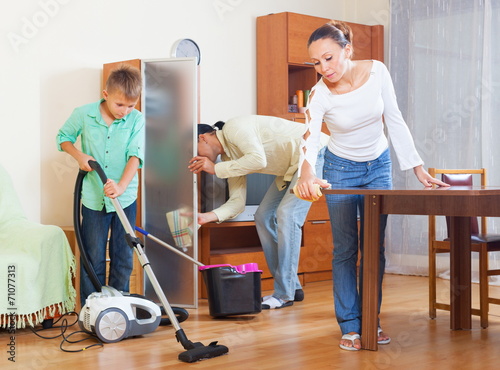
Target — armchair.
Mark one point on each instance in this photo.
(36, 265)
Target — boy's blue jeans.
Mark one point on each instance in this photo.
(96, 227)
(279, 220)
(344, 210)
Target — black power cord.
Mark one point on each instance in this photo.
(64, 327)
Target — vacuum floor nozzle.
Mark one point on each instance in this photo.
(203, 352)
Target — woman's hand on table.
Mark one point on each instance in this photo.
(426, 179)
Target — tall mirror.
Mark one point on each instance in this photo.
(169, 196)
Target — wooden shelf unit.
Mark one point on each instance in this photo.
(283, 63)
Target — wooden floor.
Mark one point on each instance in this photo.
(304, 336)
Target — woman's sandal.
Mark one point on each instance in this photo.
(352, 338)
(383, 341)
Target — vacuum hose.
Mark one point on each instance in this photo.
(78, 231)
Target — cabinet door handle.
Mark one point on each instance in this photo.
(309, 63)
(318, 222)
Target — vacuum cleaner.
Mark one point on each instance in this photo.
(109, 314)
(114, 316)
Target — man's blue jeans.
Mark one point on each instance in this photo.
(344, 210)
(97, 226)
(279, 220)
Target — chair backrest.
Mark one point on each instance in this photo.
(458, 177)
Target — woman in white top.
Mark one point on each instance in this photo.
(355, 99)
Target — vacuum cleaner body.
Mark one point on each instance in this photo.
(113, 316)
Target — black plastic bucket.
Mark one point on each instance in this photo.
(233, 290)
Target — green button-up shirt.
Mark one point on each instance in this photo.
(112, 146)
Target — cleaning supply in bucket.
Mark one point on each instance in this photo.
(233, 290)
(180, 222)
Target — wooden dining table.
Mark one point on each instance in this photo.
(458, 202)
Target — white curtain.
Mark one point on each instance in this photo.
(445, 64)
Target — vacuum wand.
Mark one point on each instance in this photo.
(168, 246)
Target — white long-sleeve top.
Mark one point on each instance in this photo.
(356, 122)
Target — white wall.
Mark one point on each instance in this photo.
(370, 12)
(52, 55)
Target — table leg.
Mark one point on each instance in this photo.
(370, 272)
(460, 277)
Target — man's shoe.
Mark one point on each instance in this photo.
(299, 295)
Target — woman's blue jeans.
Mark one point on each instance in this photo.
(97, 226)
(344, 210)
(279, 220)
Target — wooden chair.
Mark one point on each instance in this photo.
(481, 242)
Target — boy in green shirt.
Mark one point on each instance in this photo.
(112, 133)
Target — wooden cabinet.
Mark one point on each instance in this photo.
(316, 257)
(283, 63)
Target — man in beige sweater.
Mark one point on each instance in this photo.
(268, 145)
